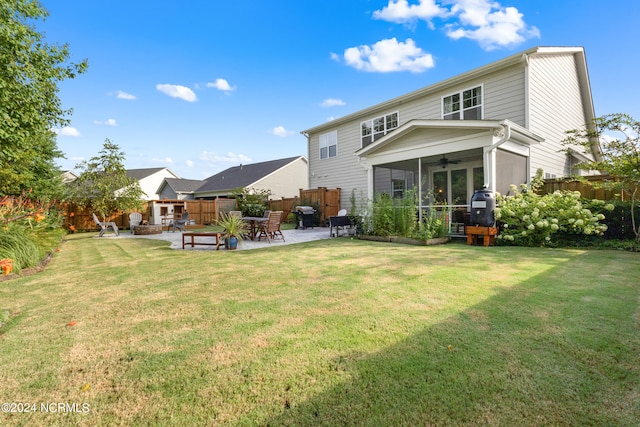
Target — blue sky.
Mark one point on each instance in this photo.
(199, 86)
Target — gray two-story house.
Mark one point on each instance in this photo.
(490, 127)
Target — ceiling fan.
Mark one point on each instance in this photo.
(444, 161)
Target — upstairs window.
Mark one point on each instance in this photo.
(465, 105)
(329, 145)
(373, 129)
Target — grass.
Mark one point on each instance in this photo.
(334, 332)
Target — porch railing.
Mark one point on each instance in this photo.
(455, 216)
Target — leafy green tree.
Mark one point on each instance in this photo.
(618, 136)
(103, 184)
(30, 70)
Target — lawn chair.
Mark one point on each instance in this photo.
(181, 223)
(104, 226)
(135, 218)
(271, 228)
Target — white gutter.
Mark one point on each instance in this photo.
(489, 158)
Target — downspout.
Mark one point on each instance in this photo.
(306, 135)
(490, 157)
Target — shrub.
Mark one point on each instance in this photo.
(29, 230)
(399, 217)
(529, 219)
(382, 215)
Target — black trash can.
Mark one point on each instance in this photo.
(483, 204)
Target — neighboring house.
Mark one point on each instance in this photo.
(150, 180)
(282, 177)
(68, 176)
(492, 127)
(178, 189)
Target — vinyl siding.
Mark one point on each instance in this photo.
(539, 90)
(342, 171)
(286, 181)
(504, 95)
(151, 183)
(556, 106)
(503, 98)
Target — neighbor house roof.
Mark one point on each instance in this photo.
(243, 176)
(139, 174)
(179, 185)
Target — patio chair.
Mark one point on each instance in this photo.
(181, 223)
(135, 218)
(104, 226)
(271, 228)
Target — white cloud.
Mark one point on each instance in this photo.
(222, 84)
(401, 12)
(485, 21)
(66, 131)
(108, 122)
(229, 158)
(334, 56)
(331, 102)
(490, 24)
(124, 95)
(177, 91)
(189, 163)
(165, 160)
(389, 55)
(281, 131)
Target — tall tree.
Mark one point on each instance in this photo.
(30, 70)
(618, 136)
(104, 186)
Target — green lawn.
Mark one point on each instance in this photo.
(336, 332)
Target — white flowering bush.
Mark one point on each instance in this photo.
(529, 219)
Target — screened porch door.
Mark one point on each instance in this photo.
(454, 186)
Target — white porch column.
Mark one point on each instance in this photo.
(420, 190)
(489, 155)
(369, 170)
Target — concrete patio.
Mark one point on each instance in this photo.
(290, 236)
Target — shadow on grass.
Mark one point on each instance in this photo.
(551, 351)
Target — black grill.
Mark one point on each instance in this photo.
(304, 215)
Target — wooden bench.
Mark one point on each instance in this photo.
(488, 234)
(219, 242)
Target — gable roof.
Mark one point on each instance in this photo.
(518, 58)
(517, 133)
(179, 185)
(139, 174)
(243, 176)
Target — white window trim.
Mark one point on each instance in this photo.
(384, 120)
(330, 139)
(460, 92)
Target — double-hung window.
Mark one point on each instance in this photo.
(329, 145)
(465, 105)
(373, 129)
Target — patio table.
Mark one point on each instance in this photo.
(254, 224)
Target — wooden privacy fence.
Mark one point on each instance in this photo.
(327, 200)
(202, 212)
(586, 189)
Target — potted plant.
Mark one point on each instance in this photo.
(234, 230)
